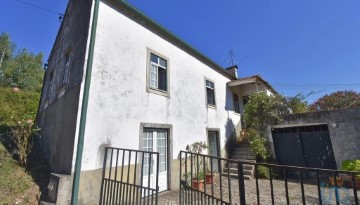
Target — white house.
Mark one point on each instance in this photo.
(143, 83)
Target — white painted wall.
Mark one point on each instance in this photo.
(119, 101)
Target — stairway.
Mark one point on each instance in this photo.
(242, 152)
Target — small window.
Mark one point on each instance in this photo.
(158, 73)
(236, 104)
(210, 93)
(67, 69)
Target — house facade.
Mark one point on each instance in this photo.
(149, 90)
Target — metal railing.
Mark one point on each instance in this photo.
(128, 177)
(271, 183)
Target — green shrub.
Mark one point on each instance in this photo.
(258, 144)
(15, 105)
(351, 165)
(263, 172)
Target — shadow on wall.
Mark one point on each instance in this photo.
(100, 155)
(230, 135)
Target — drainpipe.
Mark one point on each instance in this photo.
(80, 144)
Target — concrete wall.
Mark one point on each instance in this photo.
(119, 101)
(343, 127)
(58, 110)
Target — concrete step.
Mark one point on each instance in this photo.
(242, 157)
(242, 152)
(245, 166)
(235, 171)
(46, 203)
(246, 177)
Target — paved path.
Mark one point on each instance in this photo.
(311, 194)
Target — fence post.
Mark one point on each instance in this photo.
(241, 184)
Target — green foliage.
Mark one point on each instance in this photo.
(337, 100)
(23, 69)
(13, 178)
(351, 165)
(258, 144)
(21, 134)
(6, 47)
(263, 110)
(263, 172)
(15, 105)
(197, 147)
(298, 103)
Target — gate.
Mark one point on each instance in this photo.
(200, 185)
(128, 177)
(310, 146)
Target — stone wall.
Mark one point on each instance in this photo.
(344, 129)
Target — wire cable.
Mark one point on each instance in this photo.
(38, 7)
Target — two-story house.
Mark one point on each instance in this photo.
(142, 87)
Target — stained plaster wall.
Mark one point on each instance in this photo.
(58, 109)
(119, 101)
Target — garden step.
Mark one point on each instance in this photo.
(246, 177)
(235, 171)
(242, 157)
(245, 166)
(242, 151)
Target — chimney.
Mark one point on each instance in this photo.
(232, 71)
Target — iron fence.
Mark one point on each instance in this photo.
(129, 177)
(212, 180)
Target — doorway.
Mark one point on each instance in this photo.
(156, 140)
(213, 141)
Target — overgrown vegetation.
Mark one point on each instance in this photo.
(337, 100)
(22, 69)
(351, 165)
(21, 77)
(13, 179)
(263, 110)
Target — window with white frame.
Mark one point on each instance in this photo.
(158, 73)
(210, 93)
(67, 69)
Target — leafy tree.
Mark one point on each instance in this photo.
(337, 100)
(23, 69)
(263, 110)
(298, 103)
(6, 48)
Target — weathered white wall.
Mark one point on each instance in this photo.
(119, 101)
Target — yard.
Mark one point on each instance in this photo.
(21, 185)
(311, 194)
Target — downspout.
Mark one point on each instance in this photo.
(80, 144)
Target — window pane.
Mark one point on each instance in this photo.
(210, 96)
(154, 58)
(162, 79)
(209, 84)
(162, 167)
(162, 62)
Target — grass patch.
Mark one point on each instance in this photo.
(14, 180)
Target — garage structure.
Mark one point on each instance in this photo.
(305, 146)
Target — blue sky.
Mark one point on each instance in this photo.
(296, 45)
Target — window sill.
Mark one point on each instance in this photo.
(158, 92)
(211, 106)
